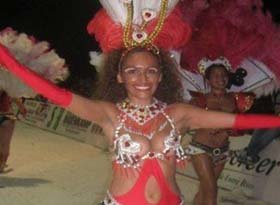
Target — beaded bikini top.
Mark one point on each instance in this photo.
(136, 120)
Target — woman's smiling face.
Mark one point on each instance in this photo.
(218, 77)
(140, 72)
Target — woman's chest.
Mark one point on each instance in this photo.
(225, 104)
(142, 140)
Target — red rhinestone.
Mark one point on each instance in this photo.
(126, 144)
(151, 154)
(147, 14)
(139, 35)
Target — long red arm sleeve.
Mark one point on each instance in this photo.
(254, 121)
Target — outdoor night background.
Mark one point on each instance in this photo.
(63, 24)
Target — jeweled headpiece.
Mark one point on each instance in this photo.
(143, 23)
(205, 63)
(136, 35)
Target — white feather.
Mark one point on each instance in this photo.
(14, 87)
(118, 12)
(35, 55)
(115, 9)
(96, 59)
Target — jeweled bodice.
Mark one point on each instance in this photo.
(145, 132)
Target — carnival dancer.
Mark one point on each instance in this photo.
(142, 130)
(227, 35)
(209, 148)
(7, 124)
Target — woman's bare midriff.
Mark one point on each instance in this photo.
(212, 137)
(124, 180)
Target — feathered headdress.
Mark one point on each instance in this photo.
(36, 55)
(242, 33)
(129, 23)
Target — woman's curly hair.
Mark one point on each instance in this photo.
(108, 88)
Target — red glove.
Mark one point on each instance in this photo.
(253, 121)
(42, 86)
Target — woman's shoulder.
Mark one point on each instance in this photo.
(108, 111)
(198, 99)
(181, 114)
(111, 108)
(180, 109)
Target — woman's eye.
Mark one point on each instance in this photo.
(130, 70)
(153, 71)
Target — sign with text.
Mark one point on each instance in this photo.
(260, 180)
(55, 119)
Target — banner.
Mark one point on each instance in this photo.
(260, 180)
(55, 119)
(38, 113)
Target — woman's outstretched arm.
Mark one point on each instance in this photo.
(91, 110)
(195, 118)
